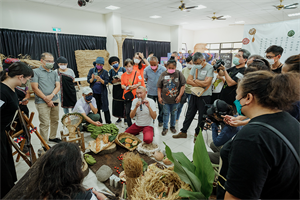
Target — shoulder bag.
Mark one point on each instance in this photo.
(129, 95)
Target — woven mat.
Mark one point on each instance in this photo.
(112, 161)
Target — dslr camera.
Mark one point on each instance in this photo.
(218, 64)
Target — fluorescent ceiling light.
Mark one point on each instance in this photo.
(155, 17)
(200, 7)
(226, 16)
(240, 22)
(294, 14)
(111, 7)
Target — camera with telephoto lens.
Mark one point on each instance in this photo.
(218, 64)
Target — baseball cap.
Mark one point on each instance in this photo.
(87, 90)
(218, 107)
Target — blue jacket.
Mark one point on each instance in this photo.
(105, 77)
(226, 133)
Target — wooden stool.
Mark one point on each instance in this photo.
(78, 139)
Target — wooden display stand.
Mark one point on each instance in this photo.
(78, 139)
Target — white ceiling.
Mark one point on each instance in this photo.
(250, 11)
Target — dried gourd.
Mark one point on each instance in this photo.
(158, 155)
(105, 139)
(128, 140)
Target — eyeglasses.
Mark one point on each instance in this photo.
(48, 61)
(270, 57)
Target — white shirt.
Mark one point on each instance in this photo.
(178, 66)
(143, 117)
(82, 106)
(217, 84)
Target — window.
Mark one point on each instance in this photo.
(225, 47)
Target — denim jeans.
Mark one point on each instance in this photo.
(160, 107)
(181, 105)
(170, 109)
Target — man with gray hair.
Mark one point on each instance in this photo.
(152, 74)
(232, 75)
(201, 75)
(145, 111)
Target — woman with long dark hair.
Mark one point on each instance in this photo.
(59, 175)
(16, 74)
(258, 163)
(140, 63)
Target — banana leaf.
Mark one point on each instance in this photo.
(184, 161)
(204, 169)
(192, 195)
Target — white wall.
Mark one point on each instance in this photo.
(218, 35)
(142, 29)
(33, 16)
(188, 38)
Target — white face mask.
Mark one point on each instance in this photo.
(136, 61)
(63, 67)
(189, 66)
(271, 61)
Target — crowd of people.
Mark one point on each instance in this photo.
(243, 105)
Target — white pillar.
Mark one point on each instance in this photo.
(113, 27)
(176, 38)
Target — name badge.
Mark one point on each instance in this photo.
(140, 77)
(203, 72)
(120, 73)
(167, 77)
(239, 75)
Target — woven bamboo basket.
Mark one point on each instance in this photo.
(126, 135)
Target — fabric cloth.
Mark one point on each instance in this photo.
(203, 72)
(68, 72)
(178, 66)
(170, 85)
(226, 134)
(258, 164)
(82, 106)
(8, 107)
(113, 73)
(152, 78)
(49, 117)
(99, 101)
(102, 87)
(67, 91)
(143, 117)
(127, 79)
(85, 195)
(228, 93)
(170, 109)
(160, 108)
(215, 155)
(278, 70)
(147, 131)
(195, 104)
(217, 84)
(179, 109)
(118, 102)
(46, 82)
(127, 112)
(136, 67)
(99, 60)
(186, 72)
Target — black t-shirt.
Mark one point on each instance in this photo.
(278, 70)
(228, 93)
(258, 164)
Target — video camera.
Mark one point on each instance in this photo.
(218, 64)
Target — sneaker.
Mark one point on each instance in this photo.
(118, 121)
(173, 130)
(57, 140)
(44, 148)
(164, 132)
(160, 124)
(180, 135)
(125, 122)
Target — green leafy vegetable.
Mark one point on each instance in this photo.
(106, 128)
(122, 140)
(145, 165)
(112, 138)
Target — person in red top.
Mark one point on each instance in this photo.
(130, 80)
(140, 63)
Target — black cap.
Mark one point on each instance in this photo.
(219, 107)
(113, 59)
(61, 60)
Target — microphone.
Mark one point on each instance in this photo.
(141, 108)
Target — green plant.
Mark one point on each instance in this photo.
(106, 128)
(199, 174)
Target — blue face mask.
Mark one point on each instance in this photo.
(89, 97)
(238, 106)
(116, 65)
(236, 61)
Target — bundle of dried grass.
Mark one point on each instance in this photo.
(33, 63)
(85, 59)
(2, 56)
(133, 167)
(159, 184)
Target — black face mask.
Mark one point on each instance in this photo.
(89, 97)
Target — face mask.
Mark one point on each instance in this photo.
(136, 61)
(189, 66)
(154, 67)
(236, 61)
(116, 65)
(271, 61)
(49, 65)
(99, 67)
(129, 69)
(89, 97)
(63, 67)
(238, 106)
(171, 71)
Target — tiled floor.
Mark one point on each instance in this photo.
(177, 145)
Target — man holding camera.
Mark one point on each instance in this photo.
(232, 75)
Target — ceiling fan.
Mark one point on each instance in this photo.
(291, 6)
(216, 18)
(186, 9)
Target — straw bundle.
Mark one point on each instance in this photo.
(33, 63)
(153, 185)
(2, 56)
(85, 59)
(133, 168)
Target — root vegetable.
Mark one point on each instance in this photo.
(167, 161)
(158, 155)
